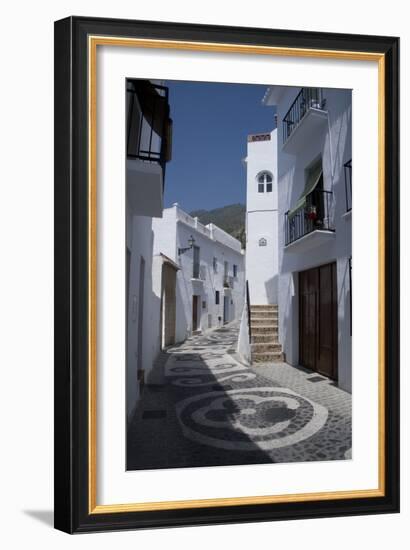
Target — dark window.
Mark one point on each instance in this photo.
(217, 297)
(261, 187)
(215, 265)
(265, 177)
(235, 270)
(269, 188)
(196, 263)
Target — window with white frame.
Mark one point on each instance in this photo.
(265, 180)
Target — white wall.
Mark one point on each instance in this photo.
(262, 223)
(333, 142)
(243, 347)
(172, 232)
(141, 246)
(27, 504)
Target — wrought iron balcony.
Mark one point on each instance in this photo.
(348, 185)
(307, 100)
(149, 127)
(314, 216)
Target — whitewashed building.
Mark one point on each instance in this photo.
(208, 266)
(314, 157)
(148, 149)
(262, 242)
(262, 218)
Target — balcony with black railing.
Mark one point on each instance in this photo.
(305, 115)
(313, 219)
(348, 185)
(148, 146)
(149, 127)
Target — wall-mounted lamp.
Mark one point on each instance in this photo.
(191, 242)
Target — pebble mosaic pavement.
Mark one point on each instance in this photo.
(202, 407)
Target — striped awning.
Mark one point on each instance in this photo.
(310, 185)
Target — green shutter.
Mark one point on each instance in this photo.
(310, 185)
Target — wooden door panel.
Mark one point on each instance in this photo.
(194, 312)
(318, 319)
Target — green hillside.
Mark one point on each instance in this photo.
(230, 218)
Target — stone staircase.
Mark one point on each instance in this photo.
(265, 345)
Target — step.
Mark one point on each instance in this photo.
(264, 308)
(265, 338)
(267, 357)
(266, 347)
(264, 322)
(263, 329)
(263, 313)
(268, 318)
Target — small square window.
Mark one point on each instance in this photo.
(261, 187)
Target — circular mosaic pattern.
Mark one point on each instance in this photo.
(250, 419)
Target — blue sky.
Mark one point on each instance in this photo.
(211, 124)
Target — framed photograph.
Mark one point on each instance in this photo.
(226, 274)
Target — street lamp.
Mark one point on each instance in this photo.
(191, 242)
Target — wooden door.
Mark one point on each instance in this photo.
(318, 319)
(195, 312)
(196, 264)
(226, 309)
(169, 275)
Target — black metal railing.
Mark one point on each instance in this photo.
(315, 215)
(149, 127)
(248, 308)
(348, 184)
(307, 98)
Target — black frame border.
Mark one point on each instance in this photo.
(71, 274)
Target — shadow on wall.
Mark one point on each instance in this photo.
(183, 304)
(344, 330)
(271, 289)
(151, 331)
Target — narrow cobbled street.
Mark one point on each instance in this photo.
(202, 407)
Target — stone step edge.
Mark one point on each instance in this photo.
(266, 357)
(259, 345)
(264, 318)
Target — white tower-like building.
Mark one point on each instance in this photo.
(262, 219)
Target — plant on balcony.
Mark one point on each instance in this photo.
(311, 213)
